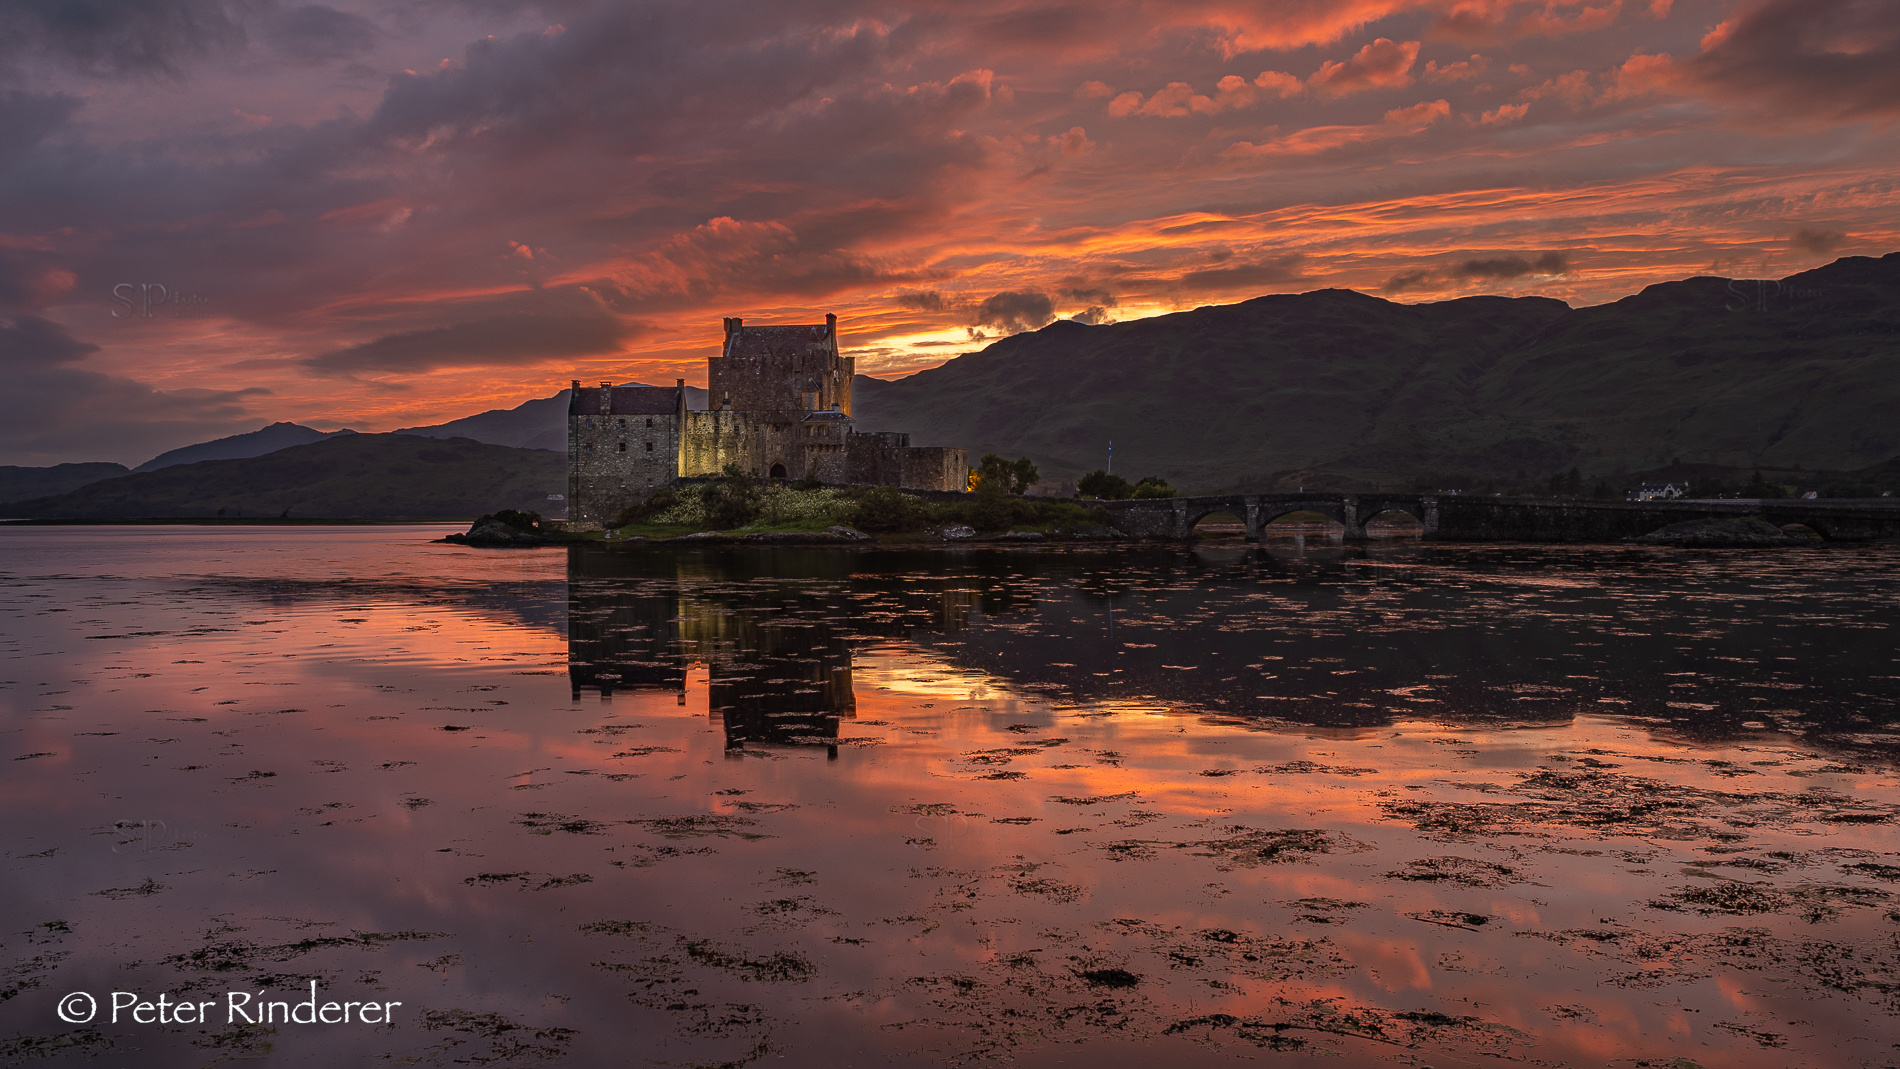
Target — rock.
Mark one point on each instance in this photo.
(957, 533)
(1095, 533)
(490, 532)
(1727, 532)
(849, 534)
(1022, 536)
(702, 538)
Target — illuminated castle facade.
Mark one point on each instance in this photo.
(780, 408)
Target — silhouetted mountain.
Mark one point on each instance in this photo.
(253, 444)
(1339, 388)
(356, 475)
(19, 484)
(538, 424)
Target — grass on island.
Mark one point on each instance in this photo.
(738, 504)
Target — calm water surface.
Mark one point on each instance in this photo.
(1410, 805)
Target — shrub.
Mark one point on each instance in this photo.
(1101, 484)
(518, 519)
(644, 511)
(1153, 486)
(885, 508)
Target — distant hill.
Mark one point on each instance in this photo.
(1343, 389)
(19, 484)
(357, 475)
(538, 424)
(252, 444)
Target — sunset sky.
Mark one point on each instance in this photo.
(384, 214)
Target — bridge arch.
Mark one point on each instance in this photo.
(1406, 517)
(1194, 516)
(1331, 510)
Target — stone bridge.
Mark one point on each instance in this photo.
(1462, 518)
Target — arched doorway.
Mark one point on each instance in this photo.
(778, 471)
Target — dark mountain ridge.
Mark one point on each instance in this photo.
(1340, 388)
(357, 475)
(237, 446)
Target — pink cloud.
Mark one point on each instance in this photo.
(1382, 64)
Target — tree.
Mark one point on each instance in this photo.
(1026, 474)
(1011, 476)
(1154, 486)
(1100, 484)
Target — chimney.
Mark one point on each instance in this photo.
(679, 401)
(606, 398)
(831, 326)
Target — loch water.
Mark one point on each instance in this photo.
(1392, 804)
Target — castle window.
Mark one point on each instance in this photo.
(589, 447)
(649, 422)
(623, 447)
(623, 423)
(649, 447)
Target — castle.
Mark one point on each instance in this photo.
(780, 408)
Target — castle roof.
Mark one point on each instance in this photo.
(624, 401)
(826, 416)
(744, 341)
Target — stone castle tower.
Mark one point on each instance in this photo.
(779, 407)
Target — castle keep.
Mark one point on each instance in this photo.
(780, 408)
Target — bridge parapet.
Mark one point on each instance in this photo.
(1472, 518)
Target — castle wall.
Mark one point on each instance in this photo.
(935, 467)
(711, 440)
(622, 445)
(876, 458)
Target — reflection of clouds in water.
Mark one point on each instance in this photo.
(1001, 855)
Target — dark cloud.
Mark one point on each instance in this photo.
(29, 343)
(1500, 268)
(120, 37)
(314, 33)
(923, 301)
(1091, 296)
(1012, 311)
(508, 341)
(1550, 263)
(54, 410)
(1410, 280)
(1095, 315)
(1818, 242)
(1272, 271)
(1817, 59)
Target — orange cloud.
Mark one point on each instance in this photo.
(1382, 64)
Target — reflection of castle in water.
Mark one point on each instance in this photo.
(771, 628)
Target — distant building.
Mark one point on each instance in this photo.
(1658, 491)
(780, 408)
